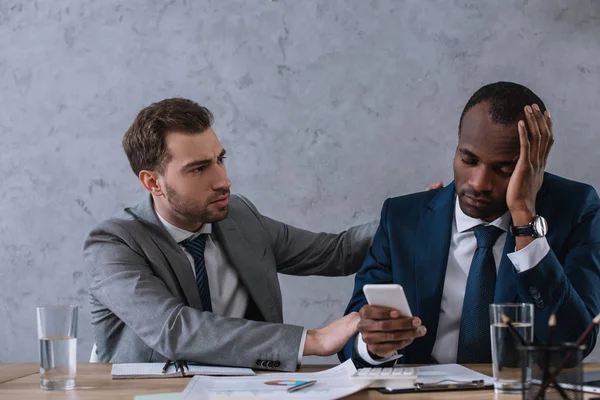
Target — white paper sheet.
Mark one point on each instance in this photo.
(333, 383)
(154, 370)
(453, 372)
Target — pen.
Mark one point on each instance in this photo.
(563, 363)
(181, 365)
(523, 342)
(301, 386)
(166, 366)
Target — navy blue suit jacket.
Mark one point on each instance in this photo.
(411, 248)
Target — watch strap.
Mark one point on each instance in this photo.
(523, 230)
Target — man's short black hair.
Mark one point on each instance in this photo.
(507, 101)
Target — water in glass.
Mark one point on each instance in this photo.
(58, 362)
(505, 353)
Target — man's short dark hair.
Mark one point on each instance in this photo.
(145, 141)
(507, 101)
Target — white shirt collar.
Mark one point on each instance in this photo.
(178, 234)
(464, 222)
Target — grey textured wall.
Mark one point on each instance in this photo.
(326, 108)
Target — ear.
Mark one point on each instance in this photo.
(149, 180)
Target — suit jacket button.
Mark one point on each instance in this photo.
(533, 290)
(276, 364)
(264, 364)
(259, 362)
(270, 364)
(540, 304)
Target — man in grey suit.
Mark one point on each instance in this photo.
(191, 272)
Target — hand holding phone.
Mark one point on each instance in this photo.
(387, 324)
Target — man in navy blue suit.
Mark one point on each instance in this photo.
(503, 231)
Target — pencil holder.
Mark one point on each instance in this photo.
(552, 372)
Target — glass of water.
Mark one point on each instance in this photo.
(57, 334)
(506, 354)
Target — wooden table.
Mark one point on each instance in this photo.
(8, 372)
(22, 381)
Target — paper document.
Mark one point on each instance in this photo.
(333, 383)
(154, 370)
(450, 373)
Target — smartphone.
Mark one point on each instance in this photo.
(388, 295)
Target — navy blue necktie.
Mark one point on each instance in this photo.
(474, 345)
(196, 248)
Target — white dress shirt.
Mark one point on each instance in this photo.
(462, 249)
(228, 295)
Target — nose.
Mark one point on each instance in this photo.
(481, 179)
(221, 181)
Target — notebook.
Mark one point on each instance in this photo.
(154, 370)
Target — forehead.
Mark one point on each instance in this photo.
(480, 135)
(186, 147)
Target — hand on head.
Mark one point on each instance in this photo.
(536, 139)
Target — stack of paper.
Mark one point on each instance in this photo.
(333, 383)
(449, 373)
(154, 370)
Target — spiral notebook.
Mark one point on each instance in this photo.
(154, 370)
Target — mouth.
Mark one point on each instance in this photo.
(221, 201)
(476, 202)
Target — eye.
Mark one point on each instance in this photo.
(198, 170)
(507, 171)
(470, 161)
(221, 159)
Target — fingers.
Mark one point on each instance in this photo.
(378, 312)
(389, 324)
(388, 349)
(385, 331)
(524, 156)
(377, 337)
(548, 121)
(384, 344)
(545, 135)
(435, 185)
(534, 135)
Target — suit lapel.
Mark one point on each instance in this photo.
(249, 266)
(433, 243)
(177, 259)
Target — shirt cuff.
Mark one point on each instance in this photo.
(361, 349)
(301, 349)
(530, 255)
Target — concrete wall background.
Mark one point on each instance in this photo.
(326, 108)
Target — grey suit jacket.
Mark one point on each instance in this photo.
(146, 307)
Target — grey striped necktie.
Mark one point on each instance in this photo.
(196, 248)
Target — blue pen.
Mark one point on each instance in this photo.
(301, 386)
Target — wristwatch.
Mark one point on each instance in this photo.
(537, 228)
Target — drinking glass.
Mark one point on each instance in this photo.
(57, 334)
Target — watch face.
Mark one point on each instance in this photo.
(540, 226)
